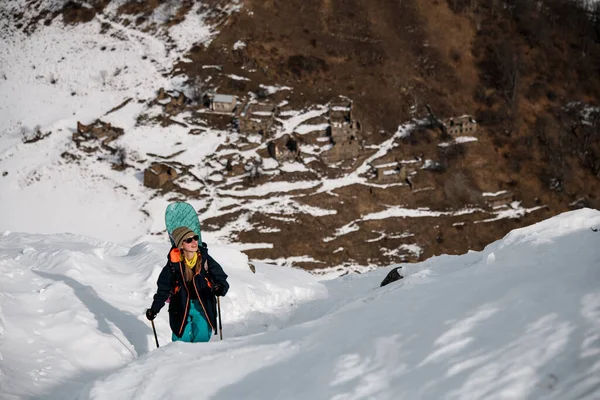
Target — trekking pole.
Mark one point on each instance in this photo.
(220, 325)
(155, 337)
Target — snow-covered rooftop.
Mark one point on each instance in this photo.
(223, 98)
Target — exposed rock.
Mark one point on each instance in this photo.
(117, 108)
(392, 276)
(161, 94)
(35, 136)
(74, 12)
(83, 129)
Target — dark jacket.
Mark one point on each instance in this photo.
(171, 283)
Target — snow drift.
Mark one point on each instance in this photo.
(520, 319)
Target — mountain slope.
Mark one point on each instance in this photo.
(519, 319)
(94, 96)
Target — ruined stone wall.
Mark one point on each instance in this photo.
(460, 125)
(255, 125)
(343, 132)
(158, 174)
(391, 173)
(341, 151)
(500, 200)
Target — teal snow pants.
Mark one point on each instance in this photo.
(197, 328)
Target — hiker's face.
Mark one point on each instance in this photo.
(193, 246)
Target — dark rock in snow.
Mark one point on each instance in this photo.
(392, 276)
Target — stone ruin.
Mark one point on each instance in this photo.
(344, 132)
(257, 118)
(158, 174)
(235, 165)
(284, 149)
(340, 111)
(460, 125)
(99, 130)
(172, 103)
(499, 199)
(389, 171)
(341, 151)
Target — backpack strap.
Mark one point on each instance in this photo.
(203, 249)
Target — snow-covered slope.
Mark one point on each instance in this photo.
(520, 319)
(72, 308)
(60, 74)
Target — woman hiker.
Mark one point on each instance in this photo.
(192, 279)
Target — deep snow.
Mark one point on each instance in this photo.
(520, 319)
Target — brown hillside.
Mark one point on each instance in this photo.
(528, 72)
(515, 69)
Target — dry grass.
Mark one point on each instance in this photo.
(452, 35)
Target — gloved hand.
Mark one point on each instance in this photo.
(150, 314)
(217, 289)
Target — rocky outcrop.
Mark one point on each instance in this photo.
(392, 276)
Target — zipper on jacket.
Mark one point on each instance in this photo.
(201, 303)
(187, 302)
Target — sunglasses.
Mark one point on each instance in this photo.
(191, 239)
